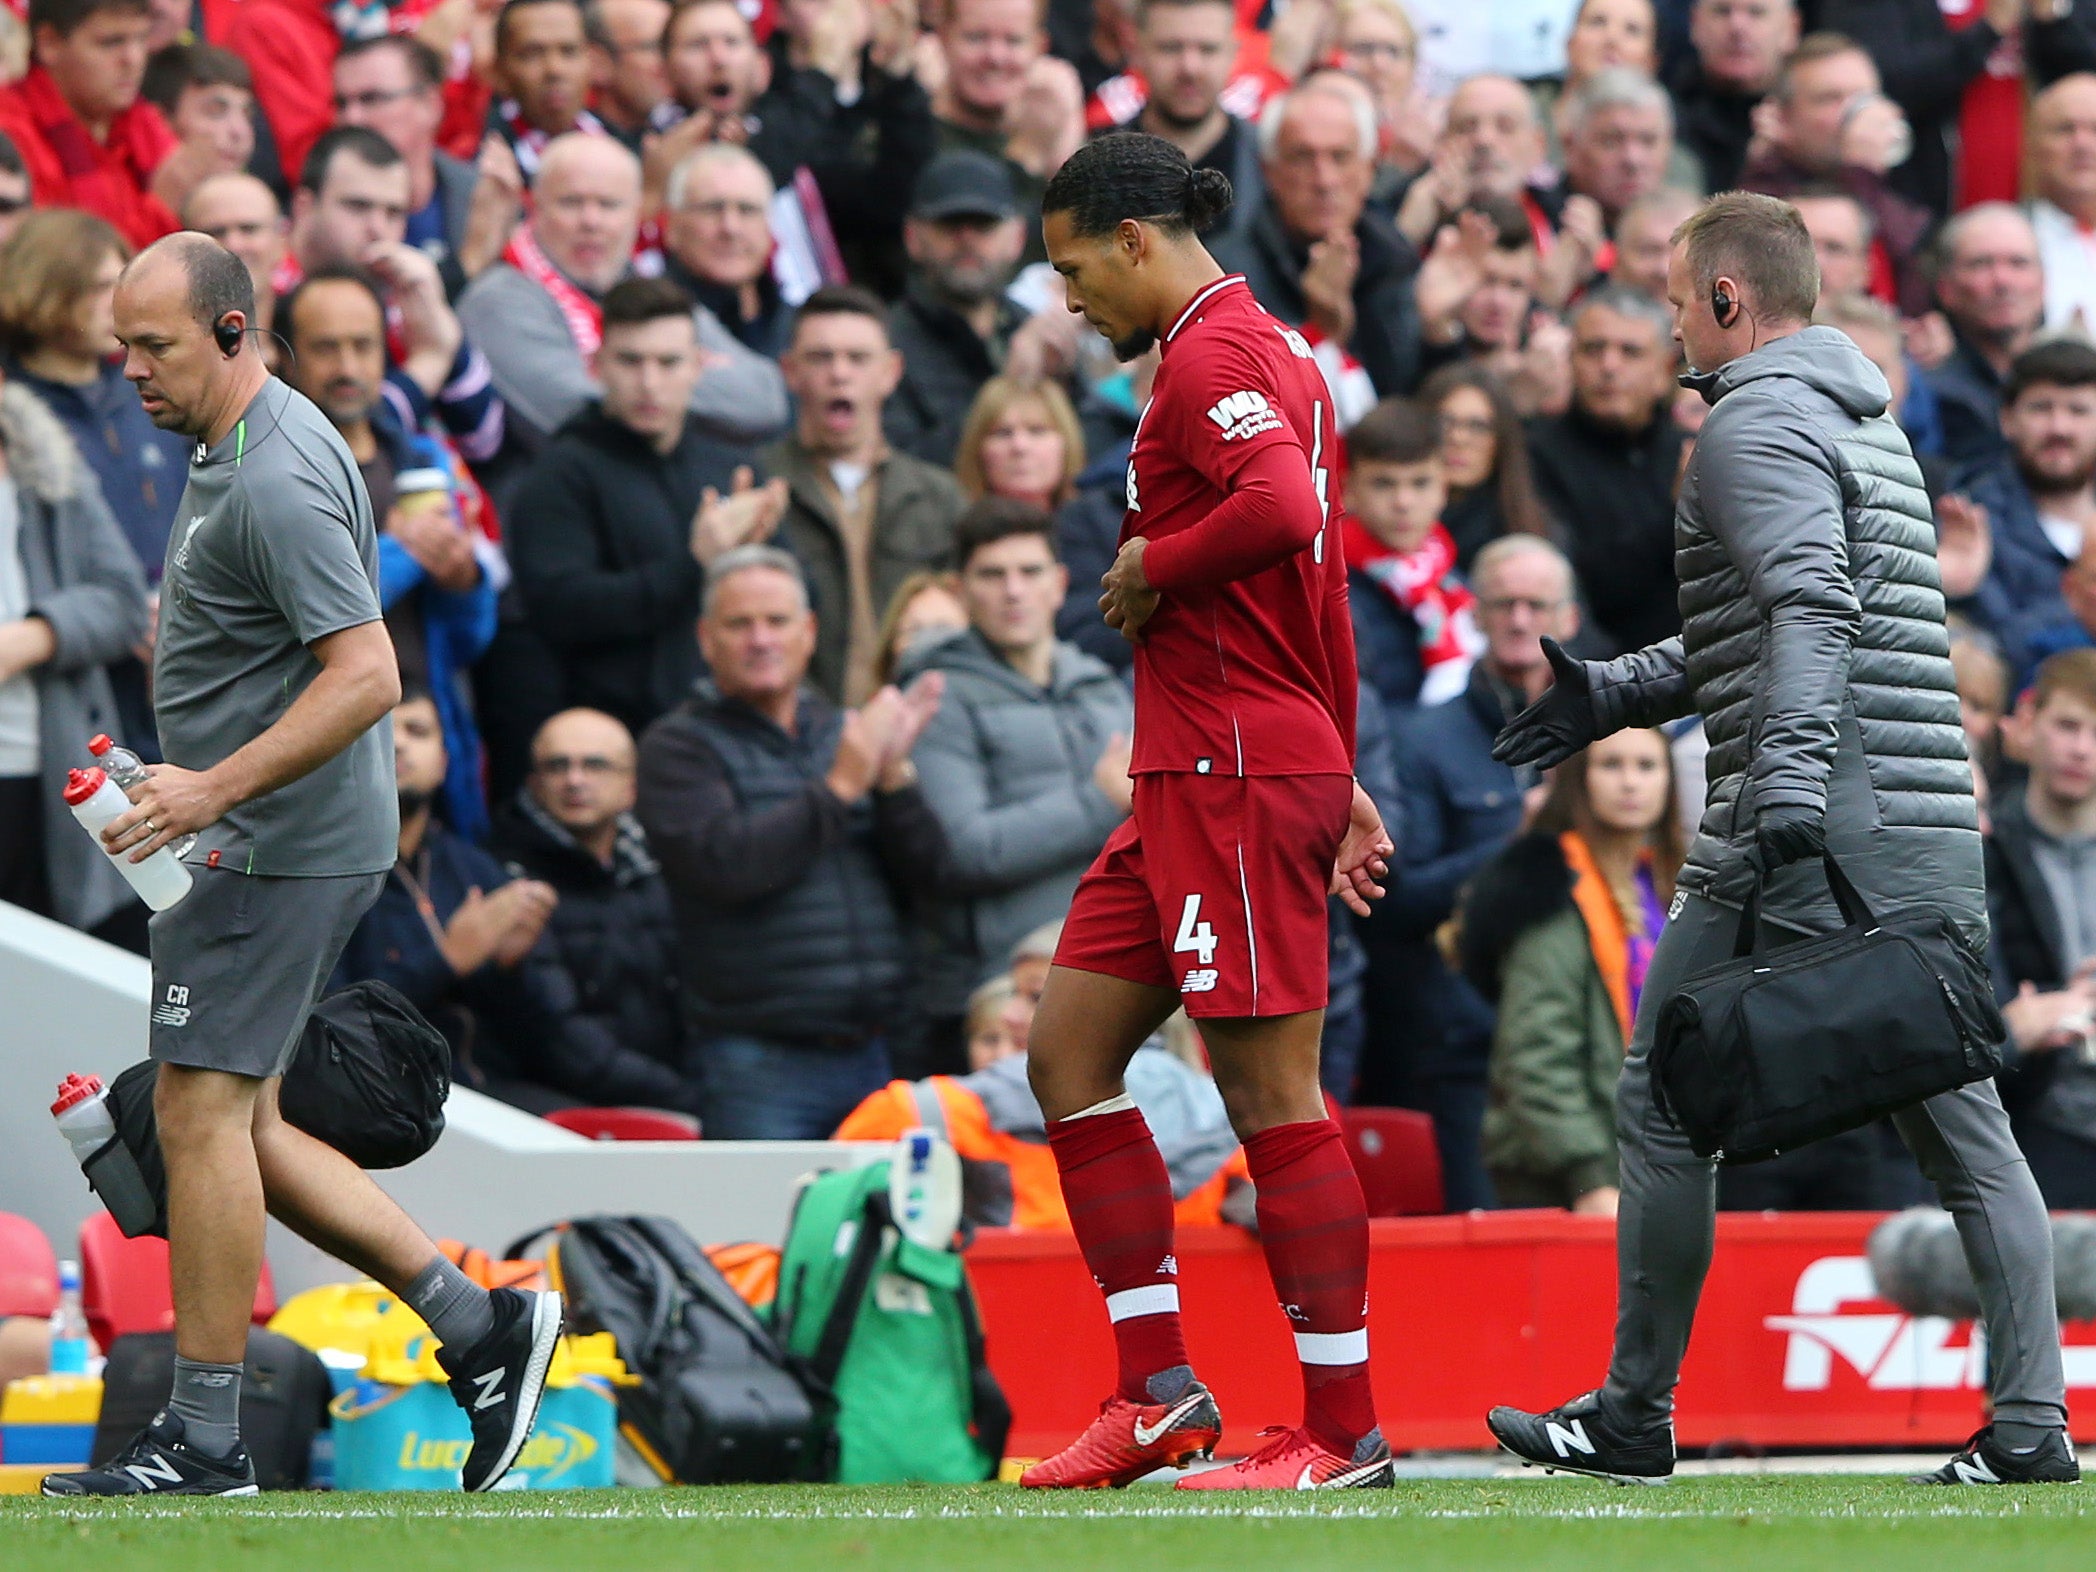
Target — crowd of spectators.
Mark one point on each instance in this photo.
(744, 483)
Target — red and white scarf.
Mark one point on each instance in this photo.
(1424, 582)
(528, 142)
(584, 317)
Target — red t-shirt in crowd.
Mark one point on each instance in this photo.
(1247, 665)
(1990, 119)
(67, 167)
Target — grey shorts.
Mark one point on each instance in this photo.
(239, 962)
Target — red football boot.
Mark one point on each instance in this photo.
(1293, 1461)
(1129, 1440)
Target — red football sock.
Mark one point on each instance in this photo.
(1313, 1225)
(1120, 1201)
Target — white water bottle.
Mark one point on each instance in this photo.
(83, 1115)
(86, 1120)
(127, 769)
(96, 801)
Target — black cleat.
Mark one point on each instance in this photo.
(1985, 1461)
(158, 1462)
(500, 1379)
(1577, 1439)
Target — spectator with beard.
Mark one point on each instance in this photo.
(717, 244)
(1606, 468)
(464, 941)
(955, 327)
(861, 516)
(855, 119)
(2040, 496)
(1827, 120)
(1004, 95)
(542, 68)
(625, 64)
(1315, 254)
(394, 85)
(1619, 138)
(540, 310)
(572, 828)
(1490, 151)
(439, 601)
(621, 513)
(1186, 51)
(351, 211)
(1644, 239)
(1738, 48)
(1992, 289)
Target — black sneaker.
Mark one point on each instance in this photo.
(158, 1462)
(1576, 1439)
(1985, 1461)
(500, 1379)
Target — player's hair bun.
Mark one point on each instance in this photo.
(1208, 197)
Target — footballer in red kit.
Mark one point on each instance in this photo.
(1215, 892)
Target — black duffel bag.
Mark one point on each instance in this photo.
(369, 1078)
(1777, 1048)
(719, 1401)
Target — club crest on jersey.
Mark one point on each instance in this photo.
(1244, 415)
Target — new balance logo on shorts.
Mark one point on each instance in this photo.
(1201, 980)
(174, 1009)
(1244, 415)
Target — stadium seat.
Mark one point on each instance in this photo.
(1394, 1153)
(28, 1269)
(626, 1124)
(124, 1283)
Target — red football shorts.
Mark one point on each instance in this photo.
(1216, 887)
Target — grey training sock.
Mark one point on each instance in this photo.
(457, 1308)
(206, 1398)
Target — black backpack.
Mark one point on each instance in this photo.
(283, 1401)
(719, 1401)
(369, 1078)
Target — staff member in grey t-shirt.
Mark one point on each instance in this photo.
(272, 679)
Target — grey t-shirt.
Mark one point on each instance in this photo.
(272, 548)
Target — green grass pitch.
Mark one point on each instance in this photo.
(1797, 1523)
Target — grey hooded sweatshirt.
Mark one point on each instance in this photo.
(1812, 641)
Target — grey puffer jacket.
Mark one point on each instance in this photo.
(1812, 641)
(1007, 768)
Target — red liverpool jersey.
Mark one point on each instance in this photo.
(1247, 665)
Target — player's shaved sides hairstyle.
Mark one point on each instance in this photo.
(1131, 174)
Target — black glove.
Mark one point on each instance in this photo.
(1558, 724)
(1788, 834)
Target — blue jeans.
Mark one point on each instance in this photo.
(753, 1089)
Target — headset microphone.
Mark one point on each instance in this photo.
(1722, 306)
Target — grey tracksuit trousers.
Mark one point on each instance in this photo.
(1667, 1218)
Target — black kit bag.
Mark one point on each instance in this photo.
(1777, 1048)
(369, 1079)
(284, 1395)
(719, 1401)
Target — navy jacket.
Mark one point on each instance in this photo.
(1968, 399)
(2023, 580)
(142, 468)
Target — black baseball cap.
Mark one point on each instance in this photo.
(965, 184)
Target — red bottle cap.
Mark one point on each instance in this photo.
(81, 785)
(99, 744)
(75, 1090)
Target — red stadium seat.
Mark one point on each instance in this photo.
(626, 1124)
(124, 1283)
(1394, 1153)
(28, 1269)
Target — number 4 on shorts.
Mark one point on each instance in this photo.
(1194, 934)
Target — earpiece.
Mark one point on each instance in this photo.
(1722, 306)
(228, 333)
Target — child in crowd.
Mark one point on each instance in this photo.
(1415, 621)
